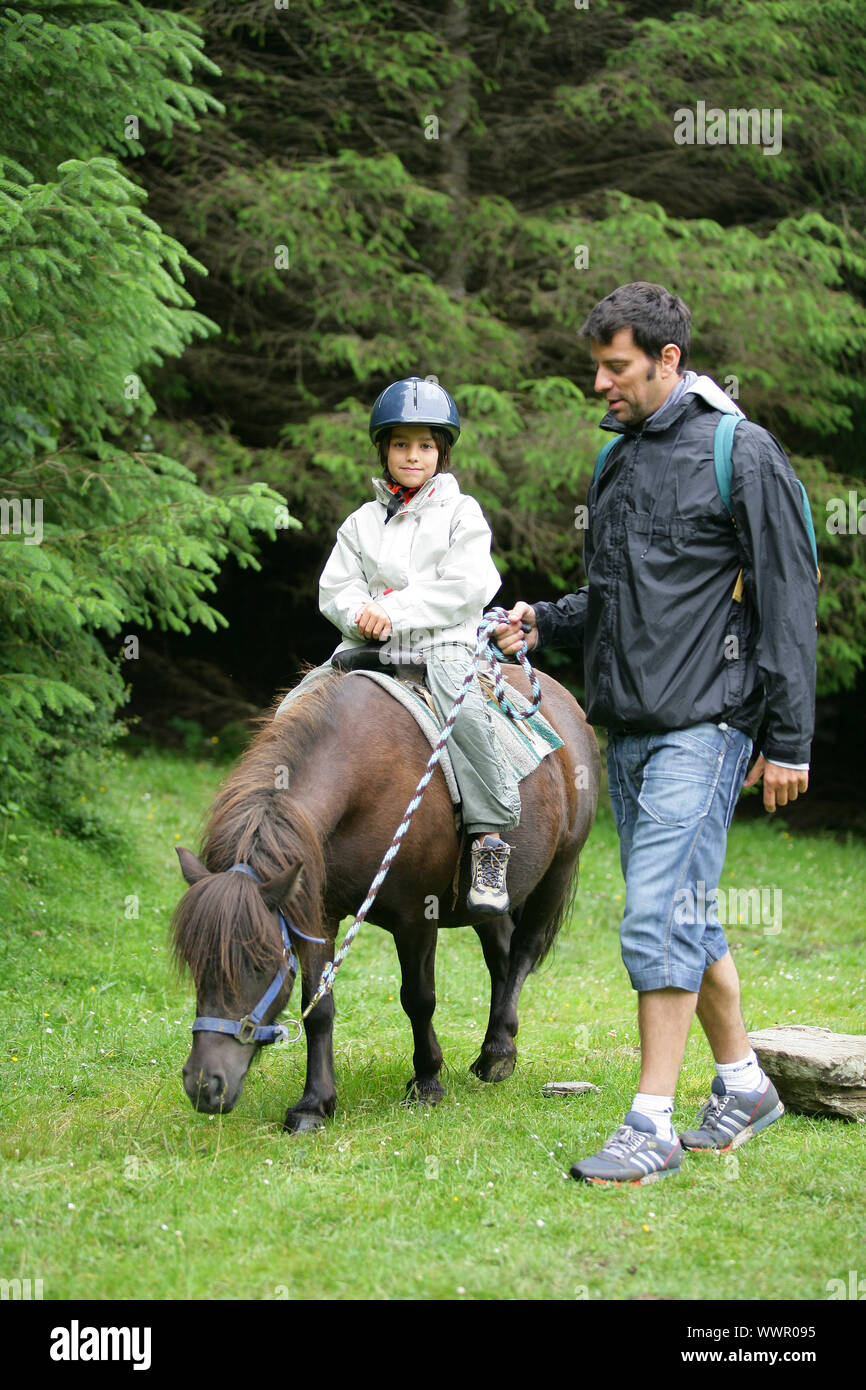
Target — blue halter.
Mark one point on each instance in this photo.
(250, 1029)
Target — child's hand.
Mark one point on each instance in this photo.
(373, 621)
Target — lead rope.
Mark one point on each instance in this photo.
(484, 650)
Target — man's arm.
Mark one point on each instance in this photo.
(543, 624)
(563, 623)
(767, 505)
(550, 624)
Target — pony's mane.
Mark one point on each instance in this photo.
(221, 925)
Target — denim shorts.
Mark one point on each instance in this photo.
(673, 796)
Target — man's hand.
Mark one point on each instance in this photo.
(509, 637)
(781, 784)
(373, 621)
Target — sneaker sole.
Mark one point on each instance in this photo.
(626, 1182)
(745, 1134)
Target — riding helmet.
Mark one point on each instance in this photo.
(414, 401)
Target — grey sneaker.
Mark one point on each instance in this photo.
(729, 1118)
(489, 868)
(634, 1154)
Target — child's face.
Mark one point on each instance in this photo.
(412, 455)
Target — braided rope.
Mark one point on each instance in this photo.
(484, 650)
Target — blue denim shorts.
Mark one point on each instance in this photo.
(673, 796)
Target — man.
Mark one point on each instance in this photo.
(698, 628)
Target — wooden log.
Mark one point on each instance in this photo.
(815, 1071)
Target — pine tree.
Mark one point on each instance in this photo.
(99, 530)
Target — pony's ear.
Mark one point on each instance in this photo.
(191, 868)
(278, 891)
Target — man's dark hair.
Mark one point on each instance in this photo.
(654, 315)
(440, 439)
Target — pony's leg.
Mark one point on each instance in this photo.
(498, 1053)
(416, 949)
(528, 942)
(320, 1096)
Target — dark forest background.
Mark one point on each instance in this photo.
(227, 226)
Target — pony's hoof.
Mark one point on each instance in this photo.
(302, 1121)
(423, 1092)
(494, 1066)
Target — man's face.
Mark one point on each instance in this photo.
(635, 386)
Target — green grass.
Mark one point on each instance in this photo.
(114, 1188)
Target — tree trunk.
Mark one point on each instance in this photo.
(456, 151)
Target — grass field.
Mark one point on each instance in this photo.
(114, 1188)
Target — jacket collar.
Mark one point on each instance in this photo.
(439, 486)
(670, 412)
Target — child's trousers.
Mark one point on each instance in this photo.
(488, 789)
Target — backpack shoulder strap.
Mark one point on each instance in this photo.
(602, 455)
(723, 444)
(723, 448)
(810, 527)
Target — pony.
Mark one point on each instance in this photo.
(309, 811)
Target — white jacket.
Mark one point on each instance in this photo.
(429, 568)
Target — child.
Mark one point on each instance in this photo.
(412, 569)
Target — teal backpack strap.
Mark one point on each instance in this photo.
(602, 455)
(723, 444)
(810, 527)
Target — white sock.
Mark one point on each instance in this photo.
(742, 1076)
(659, 1109)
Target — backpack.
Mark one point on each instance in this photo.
(723, 443)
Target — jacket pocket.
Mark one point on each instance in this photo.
(679, 782)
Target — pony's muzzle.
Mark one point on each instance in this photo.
(208, 1090)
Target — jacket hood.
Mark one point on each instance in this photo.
(708, 390)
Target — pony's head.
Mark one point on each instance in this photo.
(227, 932)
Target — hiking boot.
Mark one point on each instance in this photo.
(729, 1118)
(634, 1154)
(488, 893)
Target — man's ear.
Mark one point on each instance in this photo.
(670, 356)
(192, 869)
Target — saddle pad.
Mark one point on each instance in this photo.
(522, 745)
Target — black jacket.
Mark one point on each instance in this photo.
(666, 645)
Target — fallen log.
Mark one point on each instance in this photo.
(815, 1071)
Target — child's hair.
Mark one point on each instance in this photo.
(440, 438)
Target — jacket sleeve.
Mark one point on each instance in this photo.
(466, 580)
(780, 578)
(343, 587)
(562, 623)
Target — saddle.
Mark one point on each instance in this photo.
(369, 658)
